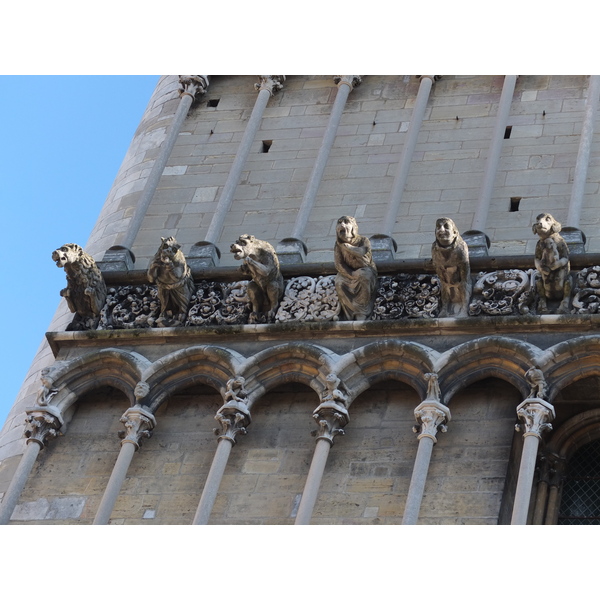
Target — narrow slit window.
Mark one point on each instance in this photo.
(507, 132)
(213, 103)
(266, 146)
(514, 204)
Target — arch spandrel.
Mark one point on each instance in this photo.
(112, 367)
(492, 356)
(574, 433)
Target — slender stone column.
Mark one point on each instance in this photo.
(556, 479)
(583, 154)
(432, 417)
(234, 417)
(138, 423)
(292, 249)
(331, 417)
(383, 244)
(191, 87)
(40, 425)
(494, 152)
(536, 415)
(269, 84)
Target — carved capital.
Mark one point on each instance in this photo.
(193, 85)
(351, 81)
(233, 417)
(331, 417)
(433, 78)
(271, 83)
(431, 417)
(139, 424)
(536, 416)
(41, 424)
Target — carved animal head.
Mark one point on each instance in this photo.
(169, 250)
(446, 231)
(67, 255)
(545, 225)
(244, 246)
(346, 229)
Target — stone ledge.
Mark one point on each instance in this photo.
(581, 324)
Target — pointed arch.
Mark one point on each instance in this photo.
(388, 359)
(291, 362)
(207, 364)
(112, 367)
(574, 433)
(491, 356)
(571, 360)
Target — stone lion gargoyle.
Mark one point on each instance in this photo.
(450, 255)
(86, 291)
(261, 263)
(356, 279)
(173, 279)
(552, 264)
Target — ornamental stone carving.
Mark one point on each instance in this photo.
(431, 414)
(130, 307)
(351, 81)
(334, 391)
(450, 256)
(586, 298)
(407, 296)
(536, 415)
(535, 379)
(86, 291)
(309, 299)
(261, 263)
(331, 418)
(356, 279)
(139, 424)
(552, 264)
(271, 83)
(173, 278)
(193, 85)
(47, 390)
(501, 293)
(41, 424)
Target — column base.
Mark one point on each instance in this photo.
(477, 241)
(291, 251)
(575, 239)
(117, 258)
(203, 255)
(383, 247)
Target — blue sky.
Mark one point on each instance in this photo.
(63, 141)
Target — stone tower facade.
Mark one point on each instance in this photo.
(379, 292)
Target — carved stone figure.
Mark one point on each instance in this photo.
(552, 263)
(46, 391)
(450, 256)
(173, 278)
(261, 263)
(356, 279)
(86, 291)
(333, 391)
(535, 378)
(235, 391)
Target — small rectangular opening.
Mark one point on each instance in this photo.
(507, 132)
(213, 102)
(514, 204)
(266, 146)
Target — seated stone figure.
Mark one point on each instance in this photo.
(552, 263)
(356, 279)
(450, 256)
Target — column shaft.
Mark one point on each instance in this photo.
(494, 152)
(157, 170)
(540, 503)
(552, 510)
(316, 175)
(113, 488)
(213, 482)
(583, 154)
(11, 497)
(313, 482)
(387, 226)
(417, 481)
(216, 225)
(525, 481)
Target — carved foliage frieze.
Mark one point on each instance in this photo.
(407, 296)
(500, 293)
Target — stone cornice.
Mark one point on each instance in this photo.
(470, 327)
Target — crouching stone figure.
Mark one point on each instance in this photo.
(356, 279)
(552, 263)
(450, 256)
